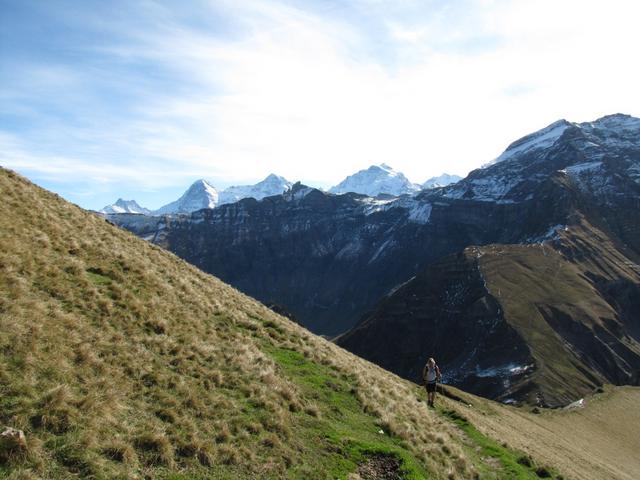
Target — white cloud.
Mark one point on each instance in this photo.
(302, 93)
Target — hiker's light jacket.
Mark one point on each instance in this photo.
(431, 374)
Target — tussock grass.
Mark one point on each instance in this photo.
(119, 360)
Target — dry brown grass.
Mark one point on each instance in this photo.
(117, 358)
(591, 443)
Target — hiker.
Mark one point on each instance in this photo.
(431, 375)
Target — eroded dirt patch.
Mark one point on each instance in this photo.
(380, 467)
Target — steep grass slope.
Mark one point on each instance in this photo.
(119, 360)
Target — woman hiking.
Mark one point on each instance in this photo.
(431, 375)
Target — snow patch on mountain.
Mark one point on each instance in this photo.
(583, 167)
(384, 246)
(553, 233)
(418, 210)
(201, 194)
(376, 180)
(125, 206)
(488, 189)
(373, 205)
(508, 370)
(420, 213)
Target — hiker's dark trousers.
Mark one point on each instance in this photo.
(431, 387)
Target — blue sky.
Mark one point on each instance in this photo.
(137, 99)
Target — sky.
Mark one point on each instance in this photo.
(138, 99)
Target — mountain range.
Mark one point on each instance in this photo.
(202, 194)
(374, 181)
(445, 270)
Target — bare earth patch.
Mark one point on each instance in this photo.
(380, 467)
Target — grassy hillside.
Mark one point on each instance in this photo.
(570, 303)
(119, 360)
(597, 441)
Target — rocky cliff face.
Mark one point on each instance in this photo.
(329, 258)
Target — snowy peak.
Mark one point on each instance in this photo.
(617, 130)
(201, 194)
(270, 186)
(375, 180)
(539, 140)
(125, 206)
(441, 181)
(617, 121)
(593, 154)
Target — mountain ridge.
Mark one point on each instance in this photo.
(202, 194)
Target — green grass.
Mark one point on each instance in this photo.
(514, 465)
(97, 277)
(347, 435)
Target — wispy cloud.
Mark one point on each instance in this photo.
(160, 92)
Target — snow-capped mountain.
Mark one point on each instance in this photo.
(616, 130)
(201, 194)
(272, 185)
(125, 206)
(588, 153)
(539, 140)
(441, 181)
(375, 180)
